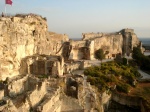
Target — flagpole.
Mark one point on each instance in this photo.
(9, 2)
(5, 9)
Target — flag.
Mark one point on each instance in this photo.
(8, 2)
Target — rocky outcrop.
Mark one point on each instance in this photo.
(25, 35)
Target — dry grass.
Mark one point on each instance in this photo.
(142, 90)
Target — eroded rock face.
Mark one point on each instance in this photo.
(23, 36)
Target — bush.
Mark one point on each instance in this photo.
(124, 61)
(123, 87)
(109, 73)
(141, 59)
(91, 80)
(99, 54)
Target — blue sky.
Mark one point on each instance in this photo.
(74, 17)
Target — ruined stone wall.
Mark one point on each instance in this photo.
(76, 53)
(24, 36)
(127, 30)
(21, 84)
(42, 65)
(130, 40)
(87, 36)
(56, 42)
(23, 93)
(82, 50)
(135, 41)
(18, 86)
(92, 50)
(113, 44)
(37, 95)
(85, 64)
(59, 64)
(72, 66)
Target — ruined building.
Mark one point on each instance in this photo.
(27, 35)
(121, 42)
(29, 52)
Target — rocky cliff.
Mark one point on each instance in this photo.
(25, 35)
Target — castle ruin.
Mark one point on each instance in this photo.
(29, 53)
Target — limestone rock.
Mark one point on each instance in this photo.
(25, 35)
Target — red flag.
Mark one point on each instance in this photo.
(8, 2)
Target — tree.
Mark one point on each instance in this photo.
(124, 61)
(136, 53)
(142, 60)
(99, 54)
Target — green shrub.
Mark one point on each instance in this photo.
(99, 54)
(141, 60)
(110, 72)
(124, 61)
(123, 87)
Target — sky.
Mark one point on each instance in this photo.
(74, 17)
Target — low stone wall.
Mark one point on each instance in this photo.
(29, 91)
(76, 65)
(85, 64)
(72, 66)
(31, 99)
(37, 95)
